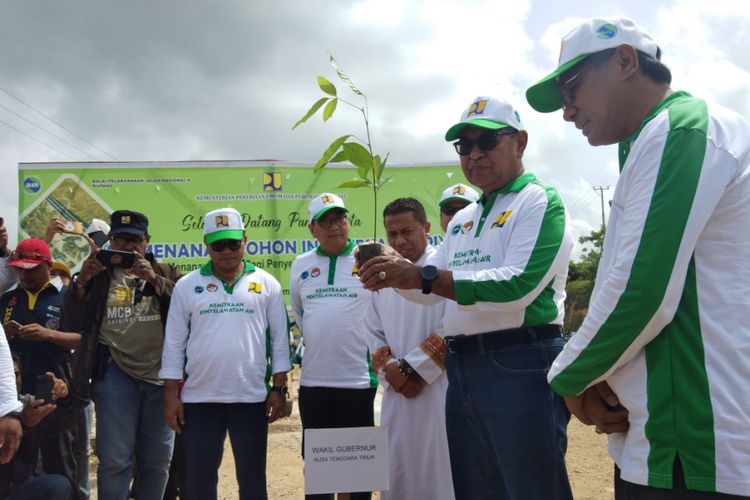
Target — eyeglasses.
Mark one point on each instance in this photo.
(340, 221)
(485, 142)
(128, 238)
(450, 211)
(568, 87)
(233, 245)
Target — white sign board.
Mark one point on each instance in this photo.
(346, 460)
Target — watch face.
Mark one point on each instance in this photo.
(429, 272)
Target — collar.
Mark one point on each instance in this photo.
(346, 251)
(624, 146)
(514, 186)
(207, 268)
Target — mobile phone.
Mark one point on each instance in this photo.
(99, 237)
(44, 388)
(116, 258)
(11, 328)
(73, 227)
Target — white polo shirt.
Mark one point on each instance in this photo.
(329, 304)
(223, 335)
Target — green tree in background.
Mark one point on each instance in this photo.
(581, 276)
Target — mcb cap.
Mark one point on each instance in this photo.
(128, 222)
(589, 37)
(458, 192)
(488, 113)
(223, 224)
(30, 253)
(322, 204)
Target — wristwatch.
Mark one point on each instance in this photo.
(281, 389)
(14, 414)
(429, 275)
(405, 368)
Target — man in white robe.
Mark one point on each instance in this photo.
(408, 359)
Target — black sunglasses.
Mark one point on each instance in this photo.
(451, 211)
(233, 245)
(485, 142)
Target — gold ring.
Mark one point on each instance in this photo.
(382, 275)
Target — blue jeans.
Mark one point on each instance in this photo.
(48, 487)
(130, 421)
(506, 427)
(203, 435)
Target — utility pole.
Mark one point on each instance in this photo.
(601, 190)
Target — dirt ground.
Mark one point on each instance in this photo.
(589, 465)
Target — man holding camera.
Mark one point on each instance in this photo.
(119, 302)
(31, 319)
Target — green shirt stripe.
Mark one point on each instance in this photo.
(543, 309)
(671, 201)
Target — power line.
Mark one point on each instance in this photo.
(37, 140)
(56, 123)
(48, 132)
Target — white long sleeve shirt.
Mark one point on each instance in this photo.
(8, 392)
(668, 325)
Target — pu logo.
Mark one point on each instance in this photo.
(467, 227)
(125, 219)
(222, 221)
(212, 287)
(326, 200)
(255, 287)
(355, 270)
(477, 108)
(460, 190)
(272, 181)
(501, 219)
(314, 272)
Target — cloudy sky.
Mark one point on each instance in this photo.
(225, 80)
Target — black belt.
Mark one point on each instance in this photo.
(502, 338)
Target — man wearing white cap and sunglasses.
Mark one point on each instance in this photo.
(503, 267)
(453, 199)
(227, 324)
(667, 325)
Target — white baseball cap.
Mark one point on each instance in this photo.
(458, 192)
(589, 37)
(488, 113)
(223, 224)
(97, 225)
(322, 204)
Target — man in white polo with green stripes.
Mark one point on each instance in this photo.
(502, 267)
(228, 333)
(668, 325)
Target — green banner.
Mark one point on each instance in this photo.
(271, 197)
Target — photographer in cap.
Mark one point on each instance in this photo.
(666, 333)
(121, 311)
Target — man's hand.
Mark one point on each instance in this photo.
(10, 438)
(36, 411)
(390, 271)
(174, 413)
(59, 387)
(275, 406)
(90, 268)
(599, 406)
(143, 269)
(413, 386)
(394, 377)
(35, 332)
(604, 409)
(56, 225)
